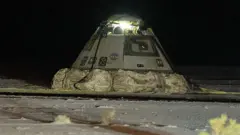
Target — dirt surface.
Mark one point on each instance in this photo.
(34, 115)
(26, 118)
(15, 83)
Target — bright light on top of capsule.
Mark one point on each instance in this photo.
(123, 25)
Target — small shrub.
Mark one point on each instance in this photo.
(223, 126)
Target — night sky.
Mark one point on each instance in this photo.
(41, 37)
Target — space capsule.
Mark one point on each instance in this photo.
(120, 42)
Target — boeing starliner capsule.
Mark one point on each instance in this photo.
(122, 43)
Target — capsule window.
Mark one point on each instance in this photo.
(143, 47)
(84, 60)
(159, 62)
(92, 60)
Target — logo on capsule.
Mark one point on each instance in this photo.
(114, 56)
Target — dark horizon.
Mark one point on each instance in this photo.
(40, 38)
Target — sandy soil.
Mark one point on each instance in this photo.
(177, 118)
(33, 116)
(14, 83)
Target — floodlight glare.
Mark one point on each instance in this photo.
(124, 25)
